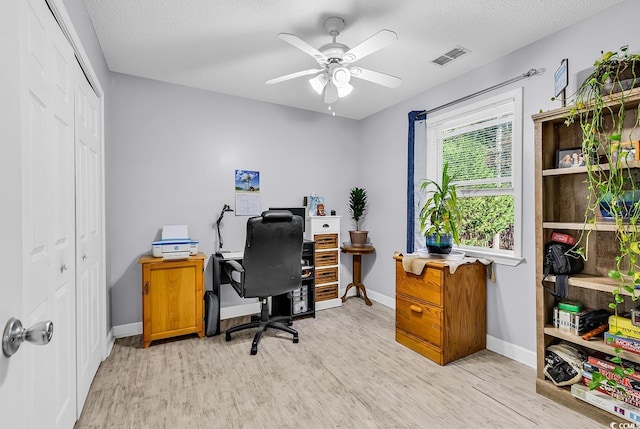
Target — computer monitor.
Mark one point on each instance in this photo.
(298, 211)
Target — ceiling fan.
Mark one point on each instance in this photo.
(334, 60)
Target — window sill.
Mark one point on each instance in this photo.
(497, 258)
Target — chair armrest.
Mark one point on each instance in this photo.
(232, 269)
(235, 265)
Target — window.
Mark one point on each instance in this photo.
(482, 145)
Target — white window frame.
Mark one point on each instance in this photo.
(434, 164)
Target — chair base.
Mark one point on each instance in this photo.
(263, 323)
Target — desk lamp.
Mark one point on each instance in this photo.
(226, 208)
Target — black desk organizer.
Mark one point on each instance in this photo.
(301, 302)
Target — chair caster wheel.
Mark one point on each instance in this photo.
(295, 339)
(227, 337)
(254, 351)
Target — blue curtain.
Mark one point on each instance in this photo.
(414, 116)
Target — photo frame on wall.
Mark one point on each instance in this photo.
(561, 78)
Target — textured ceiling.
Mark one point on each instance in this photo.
(231, 46)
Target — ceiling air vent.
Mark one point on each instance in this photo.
(456, 52)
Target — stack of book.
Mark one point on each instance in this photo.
(622, 400)
(623, 334)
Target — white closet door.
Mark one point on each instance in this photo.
(48, 228)
(90, 295)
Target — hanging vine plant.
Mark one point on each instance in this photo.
(608, 131)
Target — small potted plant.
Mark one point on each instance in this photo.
(357, 209)
(440, 216)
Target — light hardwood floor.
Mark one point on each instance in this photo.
(346, 372)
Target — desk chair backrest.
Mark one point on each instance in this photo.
(272, 254)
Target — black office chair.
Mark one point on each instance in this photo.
(270, 266)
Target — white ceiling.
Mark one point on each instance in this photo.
(231, 46)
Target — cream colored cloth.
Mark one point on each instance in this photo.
(414, 263)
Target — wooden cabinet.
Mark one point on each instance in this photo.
(325, 231)
(439, 314)
(172, 297)
(561, 201)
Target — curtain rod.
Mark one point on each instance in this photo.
(526, 75)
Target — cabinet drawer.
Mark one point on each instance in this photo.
(326, 241)
(426, 287)
(326, 275)
(326, 292)
(423, 321)
(430, 351)
(322, 226)
(324, 259)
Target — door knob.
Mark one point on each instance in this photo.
(63, 268)
(14, 335)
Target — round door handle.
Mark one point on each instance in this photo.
(84, 257)
(14, 335)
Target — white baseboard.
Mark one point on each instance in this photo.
(110, 341)
(382, 299)
(512, 351)
(239, 310)
(128, 330)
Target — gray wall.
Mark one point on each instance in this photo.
(173, 152)
(511, 299)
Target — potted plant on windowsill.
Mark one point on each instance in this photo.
(357, 209)
(440, 216)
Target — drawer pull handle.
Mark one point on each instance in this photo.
(326, 225)
(415, 308)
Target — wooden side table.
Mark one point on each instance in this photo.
(357, 252)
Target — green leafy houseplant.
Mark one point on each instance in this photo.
(357, 205)
(357, 209)
(605, 126)
(440, 215)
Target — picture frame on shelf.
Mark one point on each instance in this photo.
(570, 157)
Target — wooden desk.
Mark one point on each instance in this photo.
(172, 297)
(357, 252)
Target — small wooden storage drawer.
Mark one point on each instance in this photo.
(423, 321)
(326, 292)
(427, 286)
(325, 225)
(327, 275)
(326, 241)
(324, 259)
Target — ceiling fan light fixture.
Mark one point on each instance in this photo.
(318, 83)
(341, 76)
(344, 90)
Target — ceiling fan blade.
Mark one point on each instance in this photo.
(376, 77)
(293, 76)
(303, 46)
(330, 93)
(381, 39)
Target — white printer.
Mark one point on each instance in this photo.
(175, 243)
